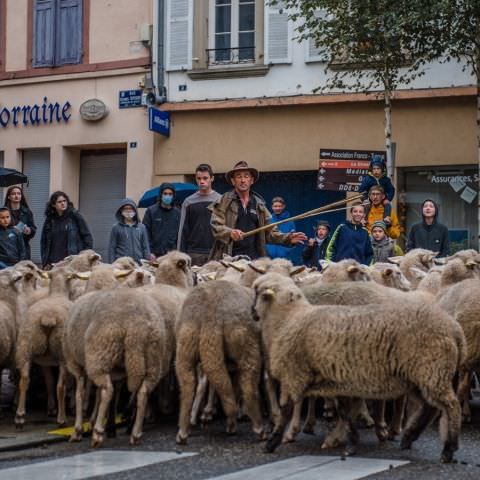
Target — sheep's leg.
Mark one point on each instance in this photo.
(207, 413)
(86, 398)
(61, 390)
(399, 405)
(93, 415)
(450, 424)
(345, 408)
(275, 413)
(142, 400)
(381, 427)
(248, 381)
(463, 395)
(187, 380)
(328, 408)
(110, 427)
(417, 424)
(364, 415)
(295, 422)
(311, 420)
(199, 397)
(104, 384)
(50, 384)
(286, 409)
(79, 392)
(22, 397)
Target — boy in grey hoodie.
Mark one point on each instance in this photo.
(128, 237)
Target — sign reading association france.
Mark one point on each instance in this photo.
(159, 121)
(35, 114)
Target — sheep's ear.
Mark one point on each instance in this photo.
(352, 269)
(440, 261)
(256, 268)
(28, 275)
(154, 263)
(121, 273)
(94, 257)
(296, 270)
(181, 263)
(430, 257)
(471, 264)
(387, 272)
(140, 275)
(395, 260)
(237, 266)
(324, 264)
(82, 275)
(16, 276)
(224, 263)
(417, 273)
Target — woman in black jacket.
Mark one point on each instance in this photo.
(21, 215)
(65, 232)
(429, 233)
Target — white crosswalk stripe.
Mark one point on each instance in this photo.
(86, 465)
(309, 467)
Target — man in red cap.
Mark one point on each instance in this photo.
(240, 211)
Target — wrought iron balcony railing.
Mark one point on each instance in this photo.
(230, 56)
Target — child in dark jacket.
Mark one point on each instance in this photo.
(12, 246)
(316, 249)
(377, 175)
(351, 239)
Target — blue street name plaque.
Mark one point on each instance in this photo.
(130, 98)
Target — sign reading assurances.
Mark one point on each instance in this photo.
(130, 98)
(159, 121)
(343, 170)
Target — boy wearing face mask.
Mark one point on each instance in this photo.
(162, 221)
(128, 237)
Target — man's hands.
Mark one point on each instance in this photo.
(236, 235)
(297, 237)
(311, 242)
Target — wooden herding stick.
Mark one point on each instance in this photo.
(310, 213)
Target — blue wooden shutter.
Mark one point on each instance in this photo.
(69, 32)
(44, 33)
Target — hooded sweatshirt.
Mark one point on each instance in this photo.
(162, 224)
(128, 240)
(350, 241)
(384, 181)
(432, 237)
(12, 246)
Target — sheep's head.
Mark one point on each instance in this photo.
(274, 288)
(391, 276)
(125, 263)
(345, 271)
(82, 262)
(457, 270)
(175, 268)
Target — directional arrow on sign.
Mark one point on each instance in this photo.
(321, 178)
(322, 171)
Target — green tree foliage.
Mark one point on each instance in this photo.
(378, 45)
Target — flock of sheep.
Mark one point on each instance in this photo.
(243, 331)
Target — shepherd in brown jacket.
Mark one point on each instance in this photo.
(240, 211)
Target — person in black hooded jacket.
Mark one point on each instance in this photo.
(162, 221)
(65, 232)
(429, 233)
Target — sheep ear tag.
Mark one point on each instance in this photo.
(471, 264)
(268, 294)
(122, 273)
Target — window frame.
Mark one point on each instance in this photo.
(234, 34)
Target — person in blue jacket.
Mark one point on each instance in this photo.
(351, 239)
(377, 175)
(316, 248)
(280, 213)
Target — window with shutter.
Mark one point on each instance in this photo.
(312, 52)
(179, 34)
(278, 34)
(57, 32)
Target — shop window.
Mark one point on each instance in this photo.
(57, 32)
(232, 32)
(455, 190)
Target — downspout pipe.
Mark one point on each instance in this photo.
(159, 50)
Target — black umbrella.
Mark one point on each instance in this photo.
(9, 176)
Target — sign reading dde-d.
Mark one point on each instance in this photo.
(343, 170)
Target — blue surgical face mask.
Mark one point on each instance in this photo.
(167, 199)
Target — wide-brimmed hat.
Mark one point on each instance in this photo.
(241, 167)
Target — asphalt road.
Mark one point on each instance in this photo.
(219, 454)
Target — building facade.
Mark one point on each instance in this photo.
(240, 88)
(66, 68)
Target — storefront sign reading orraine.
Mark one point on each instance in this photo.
(46, 113)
